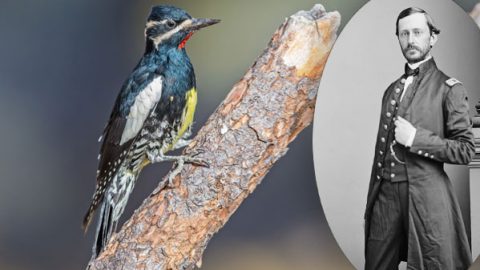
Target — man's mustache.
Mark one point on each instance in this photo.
(412, 47)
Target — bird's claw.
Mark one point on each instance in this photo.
(199, 162)
(171, 177)
(180, 162)
(197, 152)
(193, 159)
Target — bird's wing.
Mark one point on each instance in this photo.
(137, 99)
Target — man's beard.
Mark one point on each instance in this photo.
(415, 59)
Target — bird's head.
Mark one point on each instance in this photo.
(172, 27)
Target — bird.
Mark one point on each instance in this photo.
(152, 114)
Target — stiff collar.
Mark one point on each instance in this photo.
(416, 65)
(424, 66)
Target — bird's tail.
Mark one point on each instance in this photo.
(88, 218)
(105, 228)
(112, 207)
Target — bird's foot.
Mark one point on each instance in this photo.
(175, 172)
(180, 162)
(193, 159)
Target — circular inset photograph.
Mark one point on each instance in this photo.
(393, 135)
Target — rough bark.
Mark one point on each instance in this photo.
(476, 14)
(242, 140)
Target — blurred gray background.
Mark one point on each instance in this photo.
(61, 66)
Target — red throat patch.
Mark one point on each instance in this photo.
(184, 41)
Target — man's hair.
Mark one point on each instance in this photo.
(412, 10)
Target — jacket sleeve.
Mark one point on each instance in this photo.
(458, 145)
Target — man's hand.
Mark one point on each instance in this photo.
(404, 132)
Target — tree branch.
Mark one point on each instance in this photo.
(475, 13)
(242, 140)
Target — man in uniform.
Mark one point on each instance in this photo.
(412, 213)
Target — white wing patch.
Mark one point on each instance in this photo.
(144, 103)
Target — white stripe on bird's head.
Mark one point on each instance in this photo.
(171, 27)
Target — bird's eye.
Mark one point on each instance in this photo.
(171, 24)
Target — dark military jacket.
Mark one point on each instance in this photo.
(439, 111)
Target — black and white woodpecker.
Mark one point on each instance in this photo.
(152, 115)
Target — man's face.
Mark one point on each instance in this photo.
(415, 38)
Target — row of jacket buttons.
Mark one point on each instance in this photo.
(420, 152)
(380, 178)
(379, 164)
(385, 126)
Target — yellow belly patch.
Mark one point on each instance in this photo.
(187, 115)
(186, 121)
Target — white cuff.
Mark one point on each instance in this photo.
(411, 138)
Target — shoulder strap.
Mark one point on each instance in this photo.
(452, 81)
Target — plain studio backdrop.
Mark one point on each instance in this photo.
(365, 60)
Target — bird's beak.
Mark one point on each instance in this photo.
(200, 23)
